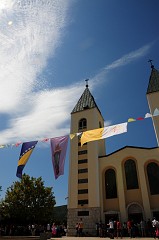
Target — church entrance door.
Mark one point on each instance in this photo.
(136, 217)
(135, 213)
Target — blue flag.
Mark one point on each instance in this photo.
(26, 151)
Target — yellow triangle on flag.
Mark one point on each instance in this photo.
(131, 120)
(72, 135)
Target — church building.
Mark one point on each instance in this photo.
(123, 184)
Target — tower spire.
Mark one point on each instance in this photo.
(150, 61)
(87, 82)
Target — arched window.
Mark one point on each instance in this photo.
(82, 123)
(110, 184)
(100, 125)
(153, 177)
(131, 174)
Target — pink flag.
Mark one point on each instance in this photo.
(58, 149)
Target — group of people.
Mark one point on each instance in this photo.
(115, 228)
(79, 228)
(128, 229)
(57, 230)
(143, 229)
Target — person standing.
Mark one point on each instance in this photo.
(129, 227)
(54, 230)
(80, 228)
(157, 233)
(142, 228)
(77, 230)
(97, 229)
(119, 232)
(149, 228)
(111, 228)
(100, 229)
(124, 230)
(48, 227)
(154, 221)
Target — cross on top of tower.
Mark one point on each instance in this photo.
(150, 61)
(87, 82)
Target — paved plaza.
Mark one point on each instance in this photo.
(66, 238)
(96, 238)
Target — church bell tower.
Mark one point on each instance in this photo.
(153, 97)
(84, 187)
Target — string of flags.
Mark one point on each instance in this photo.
(59, 144)
(72, 135)
(109, 131)
(102, 133)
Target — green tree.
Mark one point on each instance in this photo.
(28, 201)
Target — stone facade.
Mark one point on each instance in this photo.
(88, 221)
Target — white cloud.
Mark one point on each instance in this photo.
(6, 4)
(26, 44)
(48, 115)
(124, 60)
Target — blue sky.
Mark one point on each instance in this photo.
(48, 48)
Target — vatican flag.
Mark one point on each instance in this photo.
(105, 132)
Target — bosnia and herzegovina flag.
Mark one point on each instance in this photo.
(58, 149)
(26, 151)
(101, 133)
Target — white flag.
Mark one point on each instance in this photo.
(114, 130)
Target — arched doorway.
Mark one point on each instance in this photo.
(135, 212)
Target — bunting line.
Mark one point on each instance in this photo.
(59, 144)
(72, 135)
